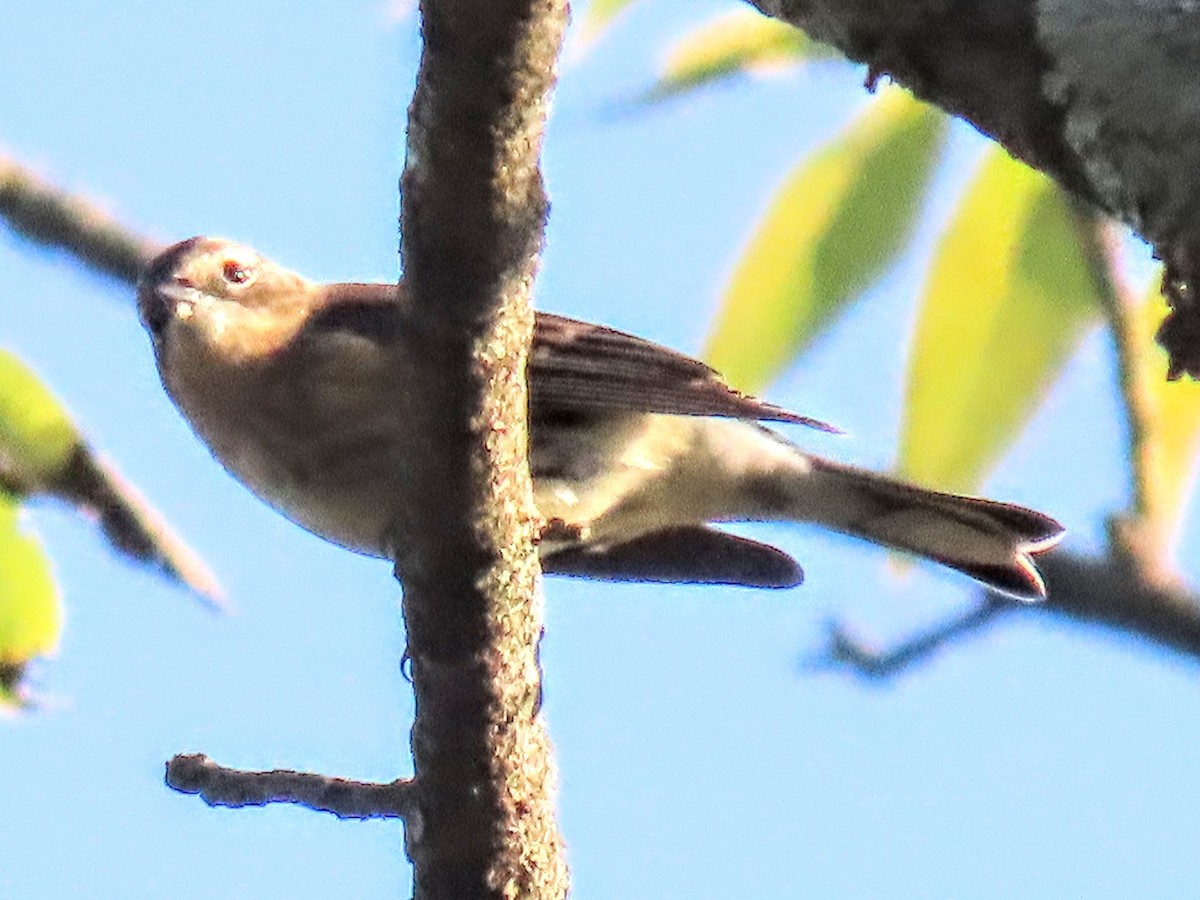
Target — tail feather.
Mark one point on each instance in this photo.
(990, 541)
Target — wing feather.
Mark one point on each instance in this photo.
(589, 368)
(577, 367)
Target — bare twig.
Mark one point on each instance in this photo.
(132, 526)
(195, 773)
(846, 650)
(1114, 592)
(46, 215)
(1120, 308)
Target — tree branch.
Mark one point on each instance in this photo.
(472, 220)
(844, 649)
(46, 215)
(195, 773)
(1125, 591)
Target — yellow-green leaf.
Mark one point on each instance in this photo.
(37, 442)
(598, 15)
(836, 225)
(37, 437)
(741, 40)
(1010, 293)
(30, 613)
(1171, 419)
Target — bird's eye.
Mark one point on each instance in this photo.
(235, 272)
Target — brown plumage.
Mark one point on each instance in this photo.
(635, 449)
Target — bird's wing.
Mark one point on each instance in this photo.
(694, 554)
(578, 367)
(375, 311)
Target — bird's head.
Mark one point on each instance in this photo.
(222, 294)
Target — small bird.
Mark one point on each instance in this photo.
(635, 449)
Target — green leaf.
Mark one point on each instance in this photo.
(30, 612)
(598, 16)
(736, 42)
(37, 437)
(42, 451)
(1010, 293)
(839, 221)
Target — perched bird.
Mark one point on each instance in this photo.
(635, 449)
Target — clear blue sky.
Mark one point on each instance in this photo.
(697, 758)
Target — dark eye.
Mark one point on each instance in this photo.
(233, 271)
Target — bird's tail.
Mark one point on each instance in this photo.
(992, 542)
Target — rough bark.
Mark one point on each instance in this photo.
(473, 212)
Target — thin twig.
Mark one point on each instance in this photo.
(1113, 592)
(845, 649)
(41, 212)
(217, 785)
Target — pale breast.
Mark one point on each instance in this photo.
(307, 430)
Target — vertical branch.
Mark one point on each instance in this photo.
(472, 219)
(1140, 537)
(1129, 344)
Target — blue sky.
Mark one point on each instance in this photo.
(697, 757)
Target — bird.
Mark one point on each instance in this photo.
(638, 452)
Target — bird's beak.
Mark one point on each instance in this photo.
(160, 303)
(177, 291)
(180, 296)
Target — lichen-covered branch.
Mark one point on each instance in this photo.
(473, 213)
(217, 785)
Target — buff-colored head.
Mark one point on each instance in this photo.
(223, 295)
